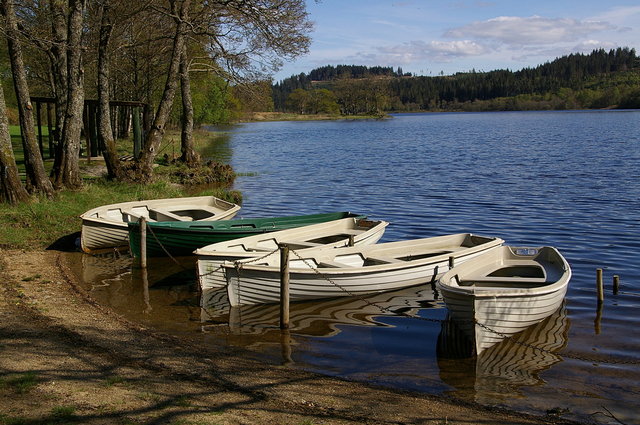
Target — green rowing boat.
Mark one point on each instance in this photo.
(179, 238)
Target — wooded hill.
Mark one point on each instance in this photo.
(600, 79)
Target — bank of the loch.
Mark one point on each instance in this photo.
(65, 359)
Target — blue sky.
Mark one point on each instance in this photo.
(428, 37)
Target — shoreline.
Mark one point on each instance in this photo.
(92, 366)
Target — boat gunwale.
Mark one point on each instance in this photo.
(191, 227)
(206, 253)
(129, 204)
(377, 268)
(444, 282)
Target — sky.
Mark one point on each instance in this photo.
(433, 37)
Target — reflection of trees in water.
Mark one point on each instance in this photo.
(501, 370)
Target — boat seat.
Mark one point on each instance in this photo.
(504, 282)
(208, 210)
(382, 260)
(134, 215)
(302, 244)
(331, 264)
(166, 215)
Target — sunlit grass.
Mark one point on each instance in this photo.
(37, 224)
(21, 384)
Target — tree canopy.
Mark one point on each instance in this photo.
(146, 52)
(575, 80)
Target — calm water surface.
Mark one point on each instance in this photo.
(567, 179)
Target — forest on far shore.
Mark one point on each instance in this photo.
(601, 79)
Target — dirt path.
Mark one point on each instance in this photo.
(65, 359)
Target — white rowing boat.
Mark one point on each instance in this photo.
(106, 226)
(505, 291)
(316, 273)
(335, 233)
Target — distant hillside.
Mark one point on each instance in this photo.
(600, 79)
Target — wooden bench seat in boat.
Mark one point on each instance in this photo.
(135, 215)
(302, 244)
(368, 261)
(504, 282)
(162, 214)
(381, 260)
(331, 264)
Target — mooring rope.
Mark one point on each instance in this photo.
(166, 251)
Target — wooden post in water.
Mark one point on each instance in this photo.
(284, 286)
(451, 262)
(616, 284)
(143, 242)
(600, 286)
(352, 240)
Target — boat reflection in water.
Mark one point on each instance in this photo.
(315, 318)
(500, 370)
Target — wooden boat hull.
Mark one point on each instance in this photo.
(352, 271)
(182, 239)
(330, 234)
(106, 226)
(490, 307)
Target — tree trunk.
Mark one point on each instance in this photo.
(11, 189)
(58, 58)
(68, 175)
(154, 136)
(189, 155)
(37, 179)
(105, 134)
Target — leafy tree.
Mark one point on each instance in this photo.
(566, 76)
(324, 101)
(253, 96)
(245, 38)
(298, 101)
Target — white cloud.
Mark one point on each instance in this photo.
(540, 55)
(418, 51)
(621, 15)
(534, 30)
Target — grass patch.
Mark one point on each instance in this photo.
(31, 278)
(21, 384)
(63, 412)
(182, 401)
(38, 224)
(47, 420)
(114, 380)
(42, 222)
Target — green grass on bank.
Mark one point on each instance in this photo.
(38, 224)
(287, 116)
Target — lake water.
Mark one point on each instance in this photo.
(567, 179)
